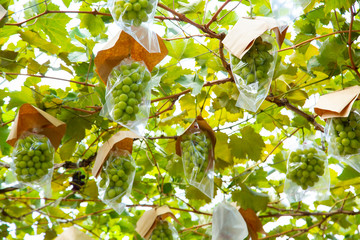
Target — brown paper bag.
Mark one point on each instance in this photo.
(30, 118)
(337, 104)
(147, 223)
(73, 233)
(241, 38)
(121, 47)
(120, 140)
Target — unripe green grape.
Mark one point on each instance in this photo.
(113, 181)
(132, 12)
(256, 63)
(347, 134)
(130, 91)
(305, 167)
(162, 231)
(27, 156)
(195, 149)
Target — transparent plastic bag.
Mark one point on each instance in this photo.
(343, 138)
(136, 17)
(127, 96)
(196, 148)
(286, 11)
(116, 179)
(33, 162)
(308, 176)
(254, 71)
(227, 223)
(164, 231)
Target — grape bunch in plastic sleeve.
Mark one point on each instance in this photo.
(133, 12)
(195, 152)
(255, 64)
(33, 159)
(116, 177)
(164, 231)
(128, 95)
(306, 167)
(346, 134)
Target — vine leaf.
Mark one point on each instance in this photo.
(250, 145)
(190, 81)
(253, 223)
(248, 198)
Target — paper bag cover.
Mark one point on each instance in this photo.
(29, 118)
(147, 223)
(120, 140)
(123, 46)
(337, 104)
(240, 39)
(73, 233)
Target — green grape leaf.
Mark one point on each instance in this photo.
(18, 98)
(195, 6)
(250, 145)
(348, 173)
(36, 40)
(223, 154)
(190, 81)
(247, 198)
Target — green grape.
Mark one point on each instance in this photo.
(113, 181)
(162, 231)
(195, 148)
(129, 91)
(133, 12)
(255, 64)
(28, 155)
(305, 167)
(347, 134)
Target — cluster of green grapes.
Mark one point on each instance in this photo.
(162, 231)
(195, 150)
(33, 158)
(256, 62)
(347, 132)
(307, 167)
(128, 93)
(133, 12)
(116, 176)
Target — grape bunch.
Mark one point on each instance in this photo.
(195, 150)
(77, 181)
(33, 158)
(347, 134)
(305, 167)
(128, 93)
(255, 63)
(162, 231)
(133, 12)
(116, 176)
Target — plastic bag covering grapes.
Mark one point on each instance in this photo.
(33, 162)
(164, 231)
(253, 73)
(196, 147)
(136, 17)
(308, 176)
(227, 223)
(128, 95)
(286, 11)
(116, 179)
(343, 138)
